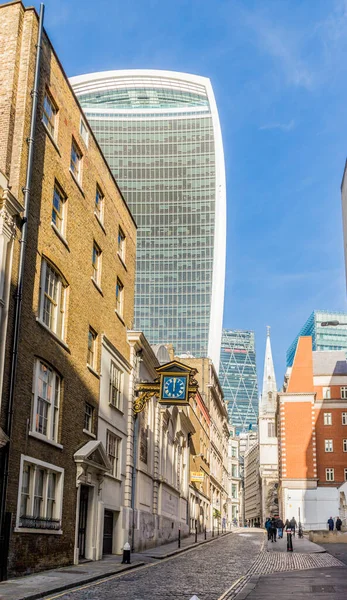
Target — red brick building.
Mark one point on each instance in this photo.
(312, 430)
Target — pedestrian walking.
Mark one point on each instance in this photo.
(293, 525)
(273, 530)
(338, 524)
(268, 528)
(289, 530)
(280, 527)
(331, 524)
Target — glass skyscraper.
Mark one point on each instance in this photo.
(238, 378)
(324, 337)
(160, 133)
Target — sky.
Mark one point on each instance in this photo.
(279, 74)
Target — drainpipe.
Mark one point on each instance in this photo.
(19, 293)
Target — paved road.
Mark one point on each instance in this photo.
(207, 571)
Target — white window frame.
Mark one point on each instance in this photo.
(37, 464)
(271, 428)
(121, 244)
(329, 446)
(92, 350)
(53, 403)
(99, 204)
(116, 386)
(50, 121)
(328, 419)
(343, 392)
(96, 263)
(119, 297)
(344, 418)
(326, 393)
(113, 450)
(59, 216)
(76, 165)
(329, 474)
(90, 416)
(344, 445)
(84, 132)
(58, 304)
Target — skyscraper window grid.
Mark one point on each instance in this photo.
(160, 134)
(238, 377)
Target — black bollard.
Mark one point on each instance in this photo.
(205, 532)
(126, 554)
(179, 537)
(289, 542)
(218, 527)
(212, 529)
(196, 532)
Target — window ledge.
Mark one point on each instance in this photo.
(51, 137)
(120, 317)
(118, 479)
(92, 435)
(97, 286)
(43, 438)
(39, 531)
(99, 221)
(54, 335)
(60, 236)
(116, 408)
(93, 371)
(77, 183)
(122, 261)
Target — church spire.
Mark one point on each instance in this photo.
(268, 399)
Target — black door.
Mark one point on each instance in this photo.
(82, 524)
(108, 530)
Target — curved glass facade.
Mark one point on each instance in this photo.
(238, 378)
(158, 134)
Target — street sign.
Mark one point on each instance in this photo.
(197, 476)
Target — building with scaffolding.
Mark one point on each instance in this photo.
(238, 377)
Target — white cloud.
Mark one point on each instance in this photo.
(282, 126)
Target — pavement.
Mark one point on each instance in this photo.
(301, 545)
(280, 575)
(52, 581)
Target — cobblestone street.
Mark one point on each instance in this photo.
(207, 571)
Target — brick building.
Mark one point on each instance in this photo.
(312, 428)
(78, 298)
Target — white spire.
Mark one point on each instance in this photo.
(268, 399)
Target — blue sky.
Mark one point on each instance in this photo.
(279, 72)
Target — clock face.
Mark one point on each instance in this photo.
(174, 387)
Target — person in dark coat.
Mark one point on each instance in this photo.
(331, 524)
(293, 525)
(273, 530)
(268, 528)
(280, 527)
(338, 524)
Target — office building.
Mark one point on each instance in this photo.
(160, 133)
(327, 329)
(238, 377)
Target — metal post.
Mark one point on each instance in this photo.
(205, 532)
(179, 537)
(218, 526)
(196, 531)
(213, 529)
